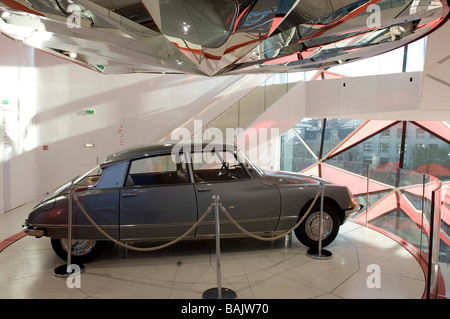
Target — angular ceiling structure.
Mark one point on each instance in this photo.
(217, 37)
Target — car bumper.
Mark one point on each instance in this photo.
(348, 213)
(31, 231)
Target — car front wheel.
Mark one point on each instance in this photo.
(83, 251)
(308, 231)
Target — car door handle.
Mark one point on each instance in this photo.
(129, 194)
(204, 189)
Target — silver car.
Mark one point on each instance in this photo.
(160, 191)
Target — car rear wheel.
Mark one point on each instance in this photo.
(308, 231)
(83, 251)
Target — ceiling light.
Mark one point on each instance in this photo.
(73, 55)
(5, 15)
(185, 27)
(88, 144)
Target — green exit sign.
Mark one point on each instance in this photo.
(89, 112)
(5, 102)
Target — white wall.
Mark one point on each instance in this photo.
(46, 96)
(436, 74)
(386, 96)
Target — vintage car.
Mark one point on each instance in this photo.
(160, 191)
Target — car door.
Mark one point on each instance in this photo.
(98, 193)
(255, 206)
(157, 200)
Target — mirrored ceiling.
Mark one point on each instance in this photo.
(218, 37)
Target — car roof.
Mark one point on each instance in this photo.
(159, 148)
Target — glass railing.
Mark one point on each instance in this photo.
(242, 113)
(444, 242)
(410, 207)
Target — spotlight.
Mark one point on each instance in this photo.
(73, 55)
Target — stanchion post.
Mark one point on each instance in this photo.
(66, 269)
(219, 292)
(69, 226)
(216, 200)
(320, 253)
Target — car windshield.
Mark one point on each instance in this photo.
(251, 167)
(90, 178)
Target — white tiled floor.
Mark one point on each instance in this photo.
(253, 269)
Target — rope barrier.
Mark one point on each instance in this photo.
(141, 248)
(146, 249)
(268, 238)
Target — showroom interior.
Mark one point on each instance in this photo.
(351, 92)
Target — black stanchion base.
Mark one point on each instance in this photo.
(61, 271)
(314, 253)
(213, 293)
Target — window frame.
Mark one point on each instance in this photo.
(170, 154)
(223, 150)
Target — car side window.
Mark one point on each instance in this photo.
(112, 176)
(217, 166)
(157, 170)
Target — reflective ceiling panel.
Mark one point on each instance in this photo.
(218, 37)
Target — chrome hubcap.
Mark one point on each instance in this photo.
(313, 225)
(79, 247)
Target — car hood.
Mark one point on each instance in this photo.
(280, 178)
(61, 190)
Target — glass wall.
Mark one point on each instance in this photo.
(394, 168)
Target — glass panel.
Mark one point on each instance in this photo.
(396, 213)
(380, 151)
(113, 176)
(444, 246)
(441, 129)
(218, 166)
(255, 103)
(157, 170)
(336, 131)
(351, 174)
(416, 56)
(387, 63)
(295, 77)
(274, 92)
(432, 224)
(293, 152)
(251, 106)
(228, 119)
(365, 130)
(310, 130)
(90, 178)
(427, 154)
(399, 201)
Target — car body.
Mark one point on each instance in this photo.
(159, 191)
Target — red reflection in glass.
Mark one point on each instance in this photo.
(365, 131)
